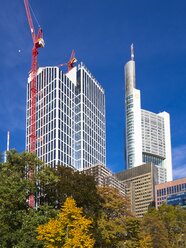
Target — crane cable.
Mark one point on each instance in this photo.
(34, 16)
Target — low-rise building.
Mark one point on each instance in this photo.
(104, 177)
(173, 193)
(140, 182)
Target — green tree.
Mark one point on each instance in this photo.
(111, 224)
(30, 221)
(132, 232)
(15, 188)
(14, 191)
(69, 229)
(174, 219)
(70, 183)
(135, 237)
(153, 226)
(166, 226)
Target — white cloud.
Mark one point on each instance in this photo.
(179, 161)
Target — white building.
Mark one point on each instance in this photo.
(70, 118)
(147, 134)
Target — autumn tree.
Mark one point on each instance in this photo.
(154, 227)
(174, 219)
(69, 229)
(111, 224)
(135, 237)
(166, 226)
(132, 236)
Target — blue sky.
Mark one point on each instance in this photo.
(101, 33)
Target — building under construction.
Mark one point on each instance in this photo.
(70, 117)
(65, 111)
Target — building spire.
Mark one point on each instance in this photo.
(132, 51)
(8, 141)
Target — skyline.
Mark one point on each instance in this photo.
(102, 42)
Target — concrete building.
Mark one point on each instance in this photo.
(173, 193)
(70, 118)
(140, 182)
(147, 134)
(104, 177)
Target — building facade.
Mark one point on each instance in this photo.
(173, 193)
(104, 177)
(147, 134)
(140, 187)
(70, 118)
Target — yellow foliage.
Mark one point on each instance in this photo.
(146, 241)
(69, 229)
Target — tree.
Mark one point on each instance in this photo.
(69, 229)
(132, 232)
(174, 219)
(71, 183)
(16, 219)
(145, 241)
(111, 224)
(14, 191)
(166, 226)
(153, 226)
(30, 221)
(135, 237)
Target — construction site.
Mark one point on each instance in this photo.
(65, 111)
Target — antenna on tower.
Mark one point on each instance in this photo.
(132, 51)
(8, 141)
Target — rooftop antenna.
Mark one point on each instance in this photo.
(8, 141)
(132, 51)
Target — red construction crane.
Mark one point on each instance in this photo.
(38, 42)
(71, 62)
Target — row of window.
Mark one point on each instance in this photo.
(172, 189)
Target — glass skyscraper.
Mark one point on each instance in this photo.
(70, 118)
(147, 134)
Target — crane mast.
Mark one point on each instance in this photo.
(38, 42)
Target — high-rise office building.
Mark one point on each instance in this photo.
(70, 118)
(147, 134)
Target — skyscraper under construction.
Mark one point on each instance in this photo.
(70, 118)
